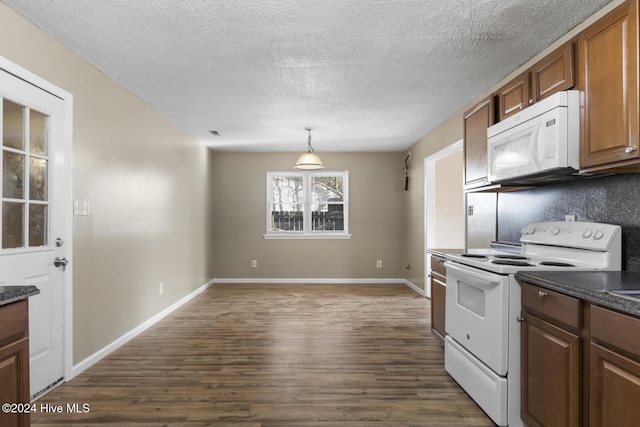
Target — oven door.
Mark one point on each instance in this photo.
(477, 310)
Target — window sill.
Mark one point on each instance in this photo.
(298, 236)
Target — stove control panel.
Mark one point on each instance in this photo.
(583, 235)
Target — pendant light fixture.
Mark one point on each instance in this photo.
(309, 160)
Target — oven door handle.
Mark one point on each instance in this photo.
(474, 276)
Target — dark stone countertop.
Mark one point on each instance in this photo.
(592, 286)
(9, 294)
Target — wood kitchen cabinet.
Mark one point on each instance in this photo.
(438, 296)
(14, 361)
(514, 96)
(476, 122)
(551, 343)
(580, 363)
(554, 73)
(608, 81)
(614, 374)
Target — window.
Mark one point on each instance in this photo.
(307, 205)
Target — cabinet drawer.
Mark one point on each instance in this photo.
(554, 305)
(616, 329)
(437, 266)
(14, 322)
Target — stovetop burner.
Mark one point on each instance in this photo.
(512, 262)
(556, 264)
(516, 257)
(473, 256)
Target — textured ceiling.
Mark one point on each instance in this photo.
(367, 75)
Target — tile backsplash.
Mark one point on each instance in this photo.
(609, 199)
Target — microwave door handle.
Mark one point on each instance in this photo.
(475, 277)
(534, 147)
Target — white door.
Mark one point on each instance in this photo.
(34, 216)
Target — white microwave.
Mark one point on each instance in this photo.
(538, 143)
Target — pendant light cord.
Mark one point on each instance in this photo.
(311, 150)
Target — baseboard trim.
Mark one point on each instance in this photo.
(104, 351)
(308, 281)
(415, 288)
(322, 280)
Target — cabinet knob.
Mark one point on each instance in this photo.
(631, 149)
(520, 319)
(522, 106)
(531, 101)
(542, 294)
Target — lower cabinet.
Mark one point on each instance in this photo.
(575, 375)
(14, 361)
(551, 375)
(614, 389)
(438, 297)
(550, 365)
(614, 374)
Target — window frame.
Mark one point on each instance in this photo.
(307, 232)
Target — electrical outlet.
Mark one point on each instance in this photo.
(254, 263)
(379, 263)
(161, 289)
(570, 218)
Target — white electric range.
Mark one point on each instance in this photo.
(482, 345)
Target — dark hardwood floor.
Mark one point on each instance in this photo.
(276, 355)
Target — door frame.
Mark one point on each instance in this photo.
(66, 162)
(429, 205)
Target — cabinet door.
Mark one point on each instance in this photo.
(14, 380)
(554, 73)
(514, 96)
(438, 304)
(476, 122)
(614, 389)
(550, 375)
(608, 80)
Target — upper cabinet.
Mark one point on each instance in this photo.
(554, 73)
(476, 122)
(514, 96)
(602, 63)
(608, 81)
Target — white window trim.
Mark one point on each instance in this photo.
(307, 233)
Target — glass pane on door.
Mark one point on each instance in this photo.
(13, 125)
(37, 132)
(12, 175)
(38, 225)
(12, 225)
(37, 179)
(25, 177)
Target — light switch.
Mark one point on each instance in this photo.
(81, 207)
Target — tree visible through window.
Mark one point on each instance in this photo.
(303, 204)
